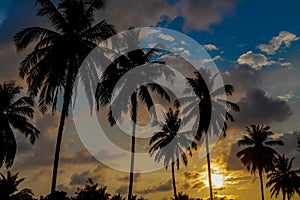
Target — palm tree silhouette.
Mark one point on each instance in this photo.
(259, 155)
(208, 101)
(91, 191)
(170, 144)
(9, 190)
(283, 178)
(14, 113)
(141, 84)
(53, 65)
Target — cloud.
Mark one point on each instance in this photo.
(256, 61)
(122, 189)
(210, 47)
(257, 107)
(199, 15)
(206, 60)
(126, 178)
(287, 96)
(124, 14)
(166, 37)
(37, 155)
(80, 179)
(162, 187)
(191, 175)
(82, 156)
(284, 39)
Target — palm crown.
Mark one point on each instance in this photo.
(14, 113)
(283, 178)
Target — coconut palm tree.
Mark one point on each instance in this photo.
(259, 155)
(9, 190)
(209, 102)
(283, 178)
(170, 144)
(138, 88)
(14, 113)
(53, 65)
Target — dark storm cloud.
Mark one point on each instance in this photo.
(257, 108)
(255, 104)
(162, 187)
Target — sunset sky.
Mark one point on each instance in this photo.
(256, 46)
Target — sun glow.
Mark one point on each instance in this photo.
(217, 180)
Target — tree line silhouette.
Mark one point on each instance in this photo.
(52, 69)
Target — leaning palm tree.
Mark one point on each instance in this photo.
(283, 178)
(54, 63)
(14, 113)
(258, 155)
(8, 188)
(209, 102)
(170, 144)
(135, 90)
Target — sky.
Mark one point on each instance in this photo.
(255, 45)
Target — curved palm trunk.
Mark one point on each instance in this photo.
(174, 182)
(134, 119)
(261, 185)
(208, 167)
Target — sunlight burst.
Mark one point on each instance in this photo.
(217, 180)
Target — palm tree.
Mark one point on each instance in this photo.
(139, 88)
(91, 191)
(259, 155)
(209, 102)
(283, 178)
(8, 188)
(53, 65)
(14, 113)
(170, 144)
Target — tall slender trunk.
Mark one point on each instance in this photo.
(71, 75)
(283, 196)
(208, 167)
(58, 142)
(261, 185)
(134, 119)
(174, 182)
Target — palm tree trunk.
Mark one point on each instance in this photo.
(174, 182)
(72, 73)
(208, 167)
(134, 119)
(261, 184)
(283, 195)
(58, 142)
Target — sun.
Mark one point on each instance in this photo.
(217, 180)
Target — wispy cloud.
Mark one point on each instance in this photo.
(284, 39)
